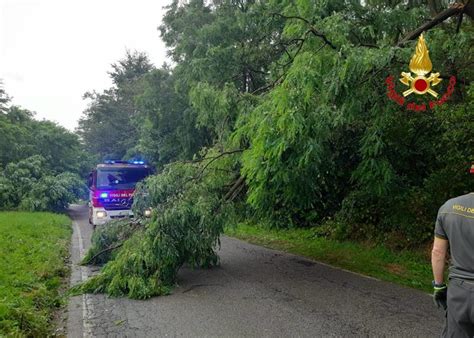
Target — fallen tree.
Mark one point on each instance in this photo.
(189, 212)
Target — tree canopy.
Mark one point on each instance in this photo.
(276, 112)
(109, 126)
(41, 163)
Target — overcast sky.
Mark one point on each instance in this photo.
(52, 51)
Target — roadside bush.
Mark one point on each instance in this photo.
(30, 185)
(333, 229)
(53, 193)
(408, 171)
(7, 193)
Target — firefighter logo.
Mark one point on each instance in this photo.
(420, 65)
(420, 81)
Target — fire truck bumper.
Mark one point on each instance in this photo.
(102, 216)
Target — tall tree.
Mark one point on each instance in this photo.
(168, 130)
(4, 99)
(23, 136)
(108, 125)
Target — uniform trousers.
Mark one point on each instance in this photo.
(460, 312)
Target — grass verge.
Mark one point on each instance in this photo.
(33, 252)
(407, 268)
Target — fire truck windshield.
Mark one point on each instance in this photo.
(120, 178)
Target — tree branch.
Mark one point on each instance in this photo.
(312, 29)
(134, 225)
(455, 9)
(212, 159)
(315, 32)
(237, 186)
(110, 248)
(271, 85)
(469, 8)
(292, 57)
(458, 26)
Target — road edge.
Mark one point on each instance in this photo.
(309, 259)
(79, 307)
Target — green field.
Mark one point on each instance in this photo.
(407, 268)
(33, 253)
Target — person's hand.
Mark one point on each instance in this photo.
(440, 293)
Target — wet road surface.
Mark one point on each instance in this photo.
(256, 292)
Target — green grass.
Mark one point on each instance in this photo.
(407, 268)
(33, 252)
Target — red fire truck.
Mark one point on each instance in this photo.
(111, 189)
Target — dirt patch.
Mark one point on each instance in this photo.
(395, 269)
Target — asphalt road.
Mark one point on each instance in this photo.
(256, 292)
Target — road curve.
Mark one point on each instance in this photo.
(256, 292)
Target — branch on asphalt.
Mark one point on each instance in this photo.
(134, 225)
(110, 248)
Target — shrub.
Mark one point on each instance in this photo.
(30, 185)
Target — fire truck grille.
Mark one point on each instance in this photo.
(118, 204)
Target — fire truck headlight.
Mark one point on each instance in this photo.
(147, 213)
(104, 195)
(101, 214)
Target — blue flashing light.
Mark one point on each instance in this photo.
(121, 161)
(104, 195)
(114, 161)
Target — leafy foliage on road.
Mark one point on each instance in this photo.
(187, 220)
(276, 112)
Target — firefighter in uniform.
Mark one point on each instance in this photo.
(455, 230)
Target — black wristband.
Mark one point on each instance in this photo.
(438, 285)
